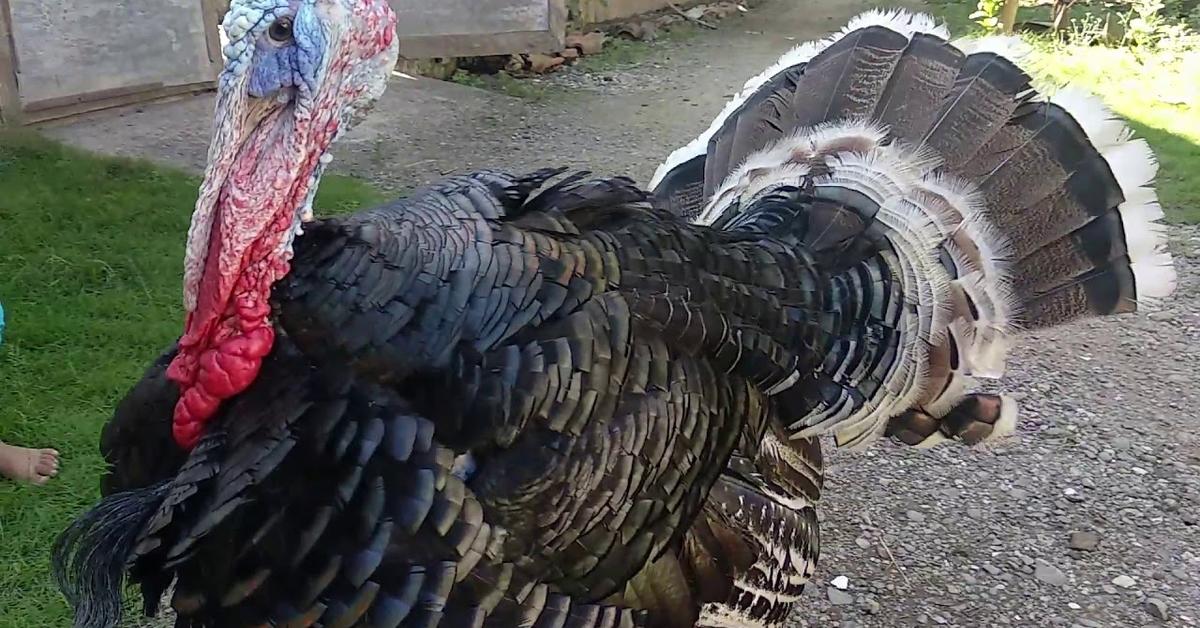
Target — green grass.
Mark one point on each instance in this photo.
(90, 264)
(618, 53)
(1154, 90)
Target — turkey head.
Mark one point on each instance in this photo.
(297, 74)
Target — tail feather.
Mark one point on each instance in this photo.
(848, 77)
(911, 24)
(89, 558)
(986, 208)
(760, 121)
(920, 83)
(987, 91)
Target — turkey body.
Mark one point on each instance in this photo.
(593, 360)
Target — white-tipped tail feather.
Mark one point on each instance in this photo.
(921, 209)
(1134, 165)
(899, 20)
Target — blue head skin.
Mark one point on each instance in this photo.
(288, 57)
(1, 324)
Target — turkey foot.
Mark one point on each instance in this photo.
(978, 418)
(22, 464)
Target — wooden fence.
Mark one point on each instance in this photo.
(60, 58)
(67, 57)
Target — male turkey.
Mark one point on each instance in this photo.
(506, 402)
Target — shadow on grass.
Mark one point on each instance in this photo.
(1179, 165)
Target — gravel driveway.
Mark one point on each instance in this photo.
(1087, 518)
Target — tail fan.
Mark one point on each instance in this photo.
(953, 203)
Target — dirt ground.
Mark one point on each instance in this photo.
(1108, 443)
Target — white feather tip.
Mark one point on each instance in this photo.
(1154, 277)
(902, 21)
(1010, 47)
(1006, 425)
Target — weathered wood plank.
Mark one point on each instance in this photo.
(214, 12)
(95, 102)
(465, 28)
(596, 11)
(104, 94)
(10, 98)
(70, 47)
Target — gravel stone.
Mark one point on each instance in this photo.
(838, 598)
(1125, 582)
(1049, 574)
(1157, 608)
(1084, 541)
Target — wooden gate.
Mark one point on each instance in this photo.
(72, 56)
(475, 28)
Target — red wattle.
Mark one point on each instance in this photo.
(224, 344)
(214, 376)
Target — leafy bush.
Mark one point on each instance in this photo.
(1142, 26)
(987, 15)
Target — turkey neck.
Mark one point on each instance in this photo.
(264, 165)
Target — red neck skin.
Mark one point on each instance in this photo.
(229, 332)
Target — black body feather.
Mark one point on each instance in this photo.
(598, 358)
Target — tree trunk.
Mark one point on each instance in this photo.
(1008, 16)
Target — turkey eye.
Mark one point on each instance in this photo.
(281, 30)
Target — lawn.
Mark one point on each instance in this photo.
(90, 263)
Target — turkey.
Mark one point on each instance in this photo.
(518, 400)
